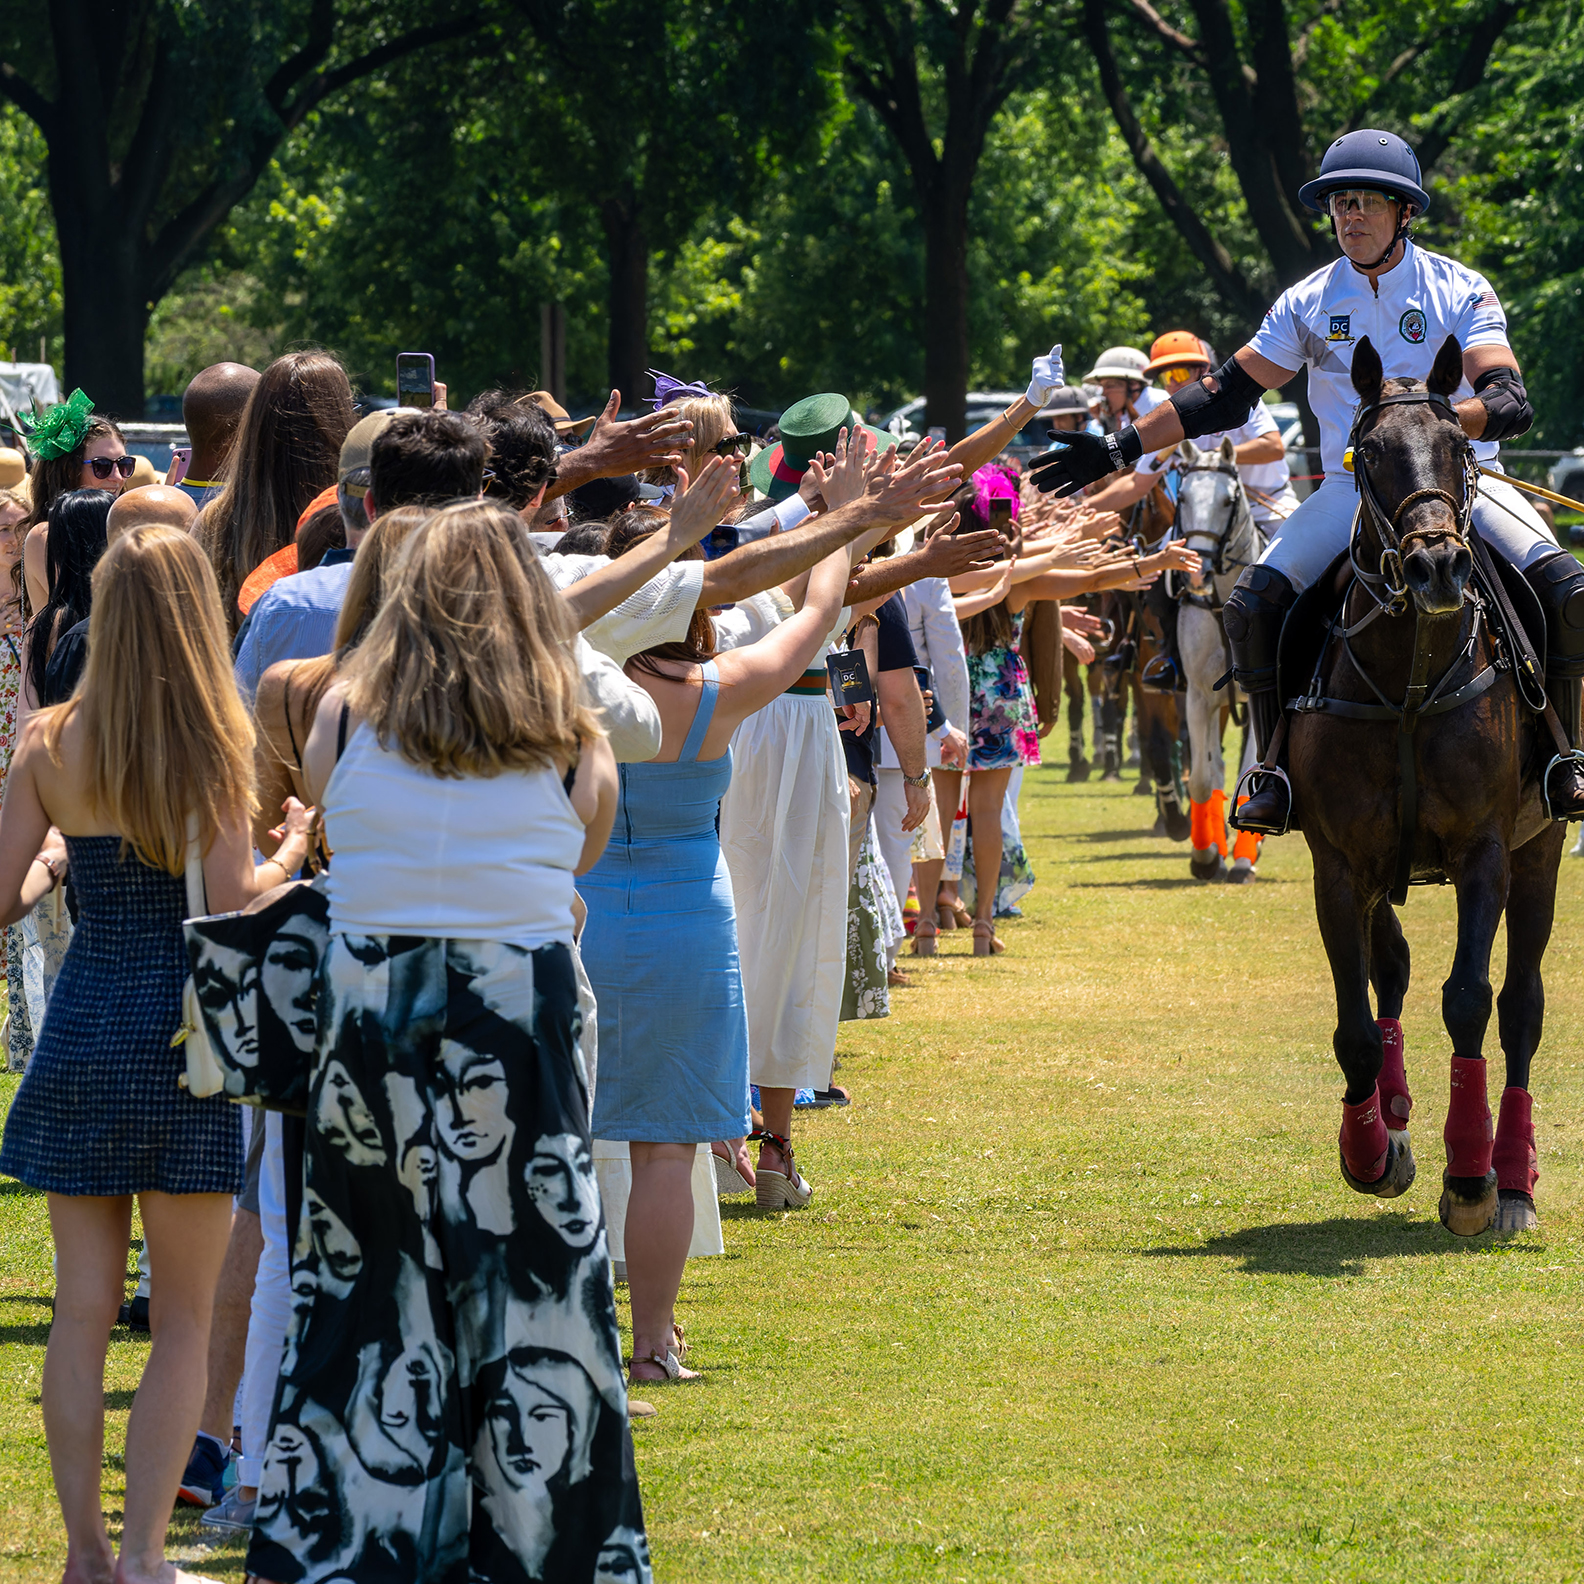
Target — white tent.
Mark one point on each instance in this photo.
(21, 384)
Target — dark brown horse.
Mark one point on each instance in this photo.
(1413, 733)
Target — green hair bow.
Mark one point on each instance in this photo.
(58, 430)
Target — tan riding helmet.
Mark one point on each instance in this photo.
(1119, 362)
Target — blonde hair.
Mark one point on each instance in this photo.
(712, 419)
(165, 731)
(468, 668)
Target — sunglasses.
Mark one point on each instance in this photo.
(1180, 376)
(103, 466)
(1364, 199)
(734, 445)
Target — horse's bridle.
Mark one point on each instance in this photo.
(1239, 500)
(1388, 523)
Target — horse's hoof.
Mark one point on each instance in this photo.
(1145, 787)
(1398, 1176)
(1111, 775)
(1241, 873)
(1175, 821)
(1515, 1212)
(1078, 772)
(1211, 869)
(1468, 1212)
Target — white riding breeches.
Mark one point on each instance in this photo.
(1317, 533)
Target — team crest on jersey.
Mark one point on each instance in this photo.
(1412, 326)
(1341, 327)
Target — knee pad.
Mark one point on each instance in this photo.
(1558, 582)
(1253, 617)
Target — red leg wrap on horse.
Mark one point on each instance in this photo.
(1517, 1165)
(1247, 844)
(1468, 1132)
(1396, 1102)
(1218, 825)
(1364, 1139)
(1199, 826)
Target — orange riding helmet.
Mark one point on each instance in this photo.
(1173, 350)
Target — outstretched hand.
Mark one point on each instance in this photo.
(847, 475)
(900, 492)
(1081, 459)
(946, 554)
(697, 506)
(614, 447)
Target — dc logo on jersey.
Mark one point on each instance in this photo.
(1341, 327)
(1412, 326)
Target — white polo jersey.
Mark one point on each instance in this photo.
(1422, 300)
(1270, 478)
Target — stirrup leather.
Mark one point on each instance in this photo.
(1248, 785)
(1572, 756)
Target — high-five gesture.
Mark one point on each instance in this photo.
(615, 447)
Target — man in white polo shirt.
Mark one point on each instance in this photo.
(1407, 301)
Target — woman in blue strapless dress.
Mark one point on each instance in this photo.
(155, 729)
(660, 944)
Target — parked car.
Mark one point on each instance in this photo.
(1567, 474)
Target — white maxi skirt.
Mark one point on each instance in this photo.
(783, 829)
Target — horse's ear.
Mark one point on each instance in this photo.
(1447, 373)
(1228, 450)
(1367, 373)
(1189, 452)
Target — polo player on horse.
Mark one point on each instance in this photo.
(1407, 301)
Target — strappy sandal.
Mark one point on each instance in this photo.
(986, 941)
(669, 1362)
(780, 1190)
(924, 935)
(730, 1178)
(959, 910)
(947, 920)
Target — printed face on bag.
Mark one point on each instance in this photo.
(470, 1109)
(227, 984)
(560, 1181)
(342, 1116)
(287, 980)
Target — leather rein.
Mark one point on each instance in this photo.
(1219, 565)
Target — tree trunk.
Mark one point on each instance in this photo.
(946, 311)
(105, 308)
(627, 250)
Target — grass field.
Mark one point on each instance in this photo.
(1080, 1295)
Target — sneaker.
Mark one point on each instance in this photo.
(203, 1481)
(134, 1315)
(233, 1514)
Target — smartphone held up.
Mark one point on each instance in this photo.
(415, 381)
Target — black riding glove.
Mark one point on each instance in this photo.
(1083, 458)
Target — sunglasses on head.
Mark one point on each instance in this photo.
(733, 445)
(102, 466)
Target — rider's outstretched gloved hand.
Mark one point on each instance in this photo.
(1083, 458)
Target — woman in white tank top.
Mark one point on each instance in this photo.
(452, 1238)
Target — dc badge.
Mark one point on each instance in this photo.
(1411, 326)
(1341, 327)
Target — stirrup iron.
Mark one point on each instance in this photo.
(1572, 756)
(1248, 785)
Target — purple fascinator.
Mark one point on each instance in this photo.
(668, 390)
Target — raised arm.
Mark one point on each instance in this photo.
(990, 440)
(1220, 400)
(695, 510)
(894, 498)
(753, 675)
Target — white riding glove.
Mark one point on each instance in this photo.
(1047, 374)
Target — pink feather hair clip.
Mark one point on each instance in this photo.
(993, 482)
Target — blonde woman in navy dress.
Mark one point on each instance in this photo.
(156, 730)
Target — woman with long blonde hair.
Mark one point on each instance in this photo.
(455, 1375)
(107, 782)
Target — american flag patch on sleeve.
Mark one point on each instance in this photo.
(1486, 299)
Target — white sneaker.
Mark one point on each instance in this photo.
(232, 1514)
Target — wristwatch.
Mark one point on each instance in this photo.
(917, 781)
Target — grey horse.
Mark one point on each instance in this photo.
(1213, 518)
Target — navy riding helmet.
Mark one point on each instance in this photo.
(1367, 158)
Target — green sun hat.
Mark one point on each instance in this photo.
(808, 427)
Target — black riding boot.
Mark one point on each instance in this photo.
(1558, 580)
(1253, 618)
(1165, 673)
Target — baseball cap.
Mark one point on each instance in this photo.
(357, 447)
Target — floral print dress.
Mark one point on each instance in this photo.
(1004, 729)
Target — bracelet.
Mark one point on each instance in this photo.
(53, 868)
